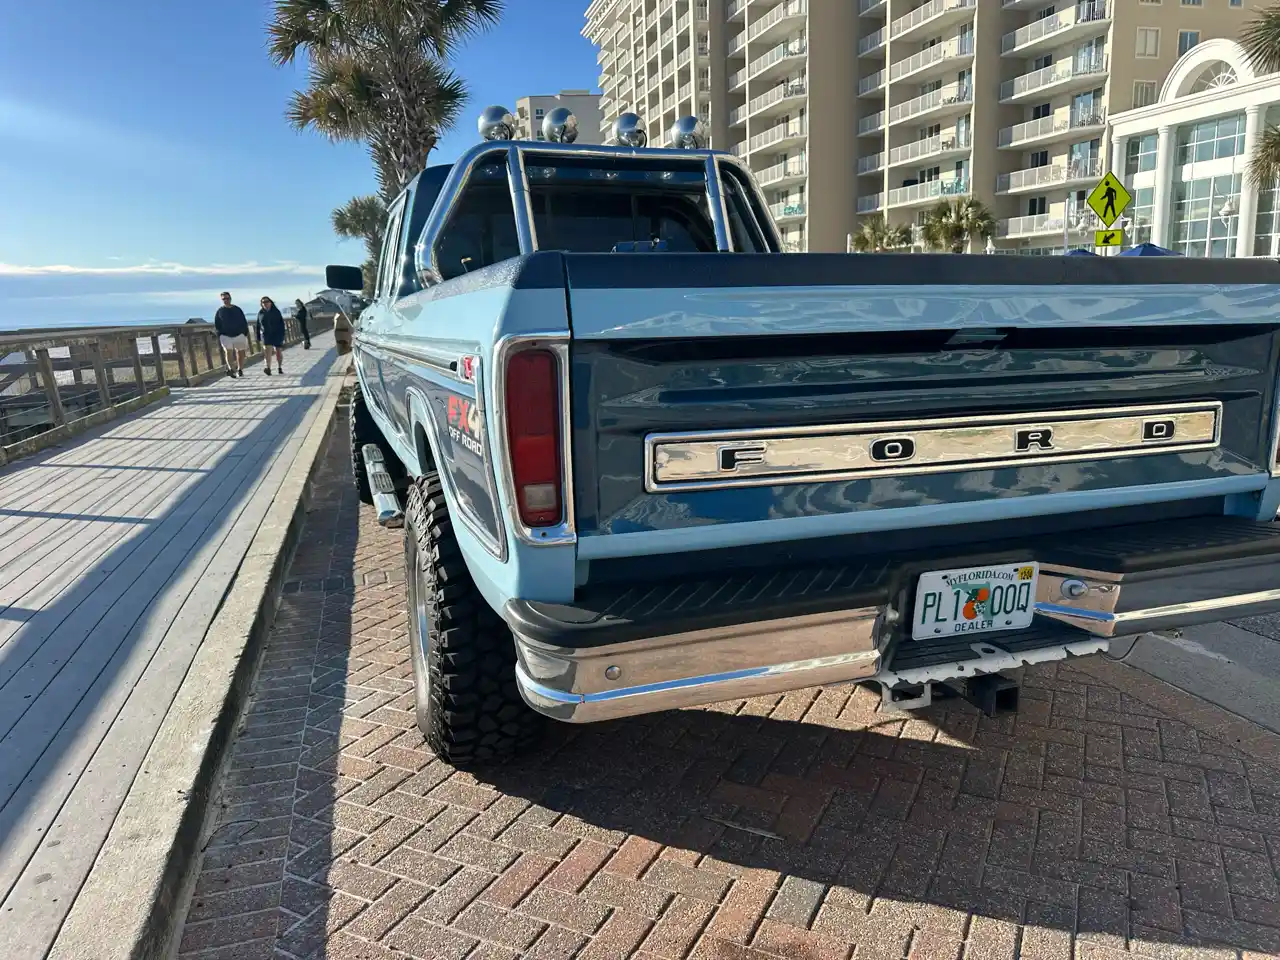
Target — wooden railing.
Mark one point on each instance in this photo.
(55, 383)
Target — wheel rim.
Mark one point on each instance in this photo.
(419, 591)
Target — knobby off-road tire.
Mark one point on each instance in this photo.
(468, 706)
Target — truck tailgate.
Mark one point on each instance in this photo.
(720, 400)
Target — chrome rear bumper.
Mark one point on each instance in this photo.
(569, 667)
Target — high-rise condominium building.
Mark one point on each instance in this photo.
(849, 108)
(585, 105)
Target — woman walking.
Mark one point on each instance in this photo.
(300, 314)
(271, 332)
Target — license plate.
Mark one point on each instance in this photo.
(975, 600)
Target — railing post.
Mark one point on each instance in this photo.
(182, 360)
(139, 378)
(195, 364)
(100, 374)
(208, 350)
(156, 352)
(56, 413)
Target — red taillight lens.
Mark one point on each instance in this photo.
(533, 435)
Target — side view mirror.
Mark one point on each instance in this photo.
(344, 278)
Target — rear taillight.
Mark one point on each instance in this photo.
(533, 435)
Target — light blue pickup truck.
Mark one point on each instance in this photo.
(644, 460)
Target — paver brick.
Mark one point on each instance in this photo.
(1104, 821)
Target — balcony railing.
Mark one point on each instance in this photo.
(1049, 175)
(737, 41)
(668, 35)
(871, 163)
(669, 103)
(867, 6)
(950, 187)
(792, 8)
(1052, 74)
(794, 48)
(1030, 226)
(871, 83)
(684, 57)
(734, 8)
(1050, 126)
(702, 11)
(783, 91)
(928, 147)
(795, 128)
(683, 23)
(780, 171)
(686, 91)
(872, 42)
(927, 12)
(871, 203)
(952, 93)
(955, 47)
(780, 210)
(737, 78)
(1047, 26)
(871, 123)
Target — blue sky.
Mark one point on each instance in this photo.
(145, 162)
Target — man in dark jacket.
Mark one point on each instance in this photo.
(233, 335)
(271, 333)
(300, 314)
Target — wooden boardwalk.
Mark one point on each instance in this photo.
(115, 554)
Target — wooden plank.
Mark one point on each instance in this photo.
(100, 375)
(50, 384)
(157, 357)
(114, 611)
(139, 378)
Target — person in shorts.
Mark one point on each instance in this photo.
(233, 335)
(271, 333)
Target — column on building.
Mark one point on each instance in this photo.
(1116, 164)
(1163, 199)
(1254, 120)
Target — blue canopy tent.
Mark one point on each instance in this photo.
(1149, 250)
(1079, 253)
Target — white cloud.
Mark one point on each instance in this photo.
(166, 269)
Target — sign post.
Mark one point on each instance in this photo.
(1108, 201)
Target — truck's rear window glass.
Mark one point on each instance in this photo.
(584, 205)
(482, 229)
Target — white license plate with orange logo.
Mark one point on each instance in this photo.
(975, 600)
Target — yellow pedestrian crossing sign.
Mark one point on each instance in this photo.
(1108, 238)
(1108, 199)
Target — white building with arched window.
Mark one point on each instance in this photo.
(1185, 158)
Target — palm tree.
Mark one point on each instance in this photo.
(363, 218)
(953, 225)
(378, 74)
(1261, 42)
(878, 236)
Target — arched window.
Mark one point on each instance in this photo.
(1215, 75)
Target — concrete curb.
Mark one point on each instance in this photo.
(73, 428)
(130, 906)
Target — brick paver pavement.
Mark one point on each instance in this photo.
(805, 826)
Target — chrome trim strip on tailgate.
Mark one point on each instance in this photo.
(704, 460)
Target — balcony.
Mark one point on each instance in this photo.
(930, 148)
(871, 203)
(1074, 23)
(602, 79)
(954, 97)
(939, 58)
(702, 11)
(872, 8)
(736, 9)
(931, 17)
(872, 84)
(1060, 126)
(784, 172)
(928, 192)
(737, 41)
(786, 211)
(872, 43)
(669, 104)
(1036, 225)
(668, 35)
(686, 92)
(782, 94)
(1059, 77)
(1055, 175)
(783, 53)
(683, 23)
(684, 58)
(784, 134)
(872, 125)
(777, 20)
(737, 79)
(793, 246)
(668, 70)
(872, 163)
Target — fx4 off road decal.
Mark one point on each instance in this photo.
(466, 429)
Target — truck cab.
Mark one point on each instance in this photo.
(646, 460)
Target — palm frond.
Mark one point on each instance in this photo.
(1261, 40)
(362, 218)
(1264, 165)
